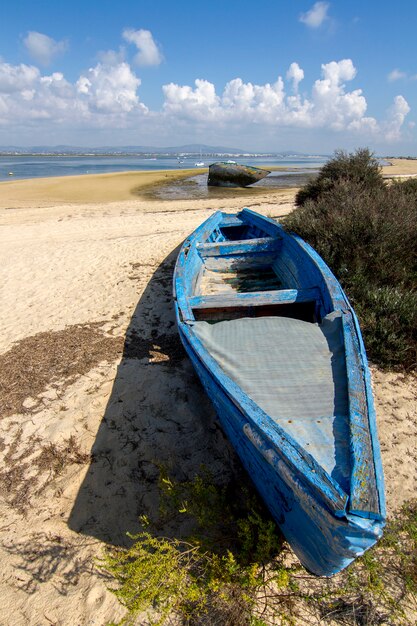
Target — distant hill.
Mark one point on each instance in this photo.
(194, 149)
(65, 149)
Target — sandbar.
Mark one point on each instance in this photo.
(86, 188)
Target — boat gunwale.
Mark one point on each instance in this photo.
(340, 299)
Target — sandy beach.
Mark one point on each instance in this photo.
(96, 391)
(401, 167)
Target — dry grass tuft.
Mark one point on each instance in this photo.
(54, 458)
(27, 472)
(36, 362)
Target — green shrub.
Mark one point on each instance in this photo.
(367, 234)
(164, 580)
(154, 576)
(407, 186)
(222, 518)
(361, 168)
(215, 573)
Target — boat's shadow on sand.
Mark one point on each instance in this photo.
(157, 416)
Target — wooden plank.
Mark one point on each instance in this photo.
(305, 264)
(187, 268)
(251, 246)
(259, 261)
(281, 296)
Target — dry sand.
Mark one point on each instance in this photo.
(97, 392)
(401, 167)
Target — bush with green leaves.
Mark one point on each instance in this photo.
(236, 571)
(367, 233)
(215, 573)
(360, 168)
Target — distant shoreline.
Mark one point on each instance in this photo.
(192, 155)
(122, 186)
(102, 188)
(24, 167)
(244, 155)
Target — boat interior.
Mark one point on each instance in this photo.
(270, 325)
(245, 271)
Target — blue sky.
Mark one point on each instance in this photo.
(272, 76)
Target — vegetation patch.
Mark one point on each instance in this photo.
(230, 566)
(46, 359)
(366, 231)
(209, 568)
(27, 471)
(54, 458)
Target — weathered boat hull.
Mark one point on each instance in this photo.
(234, 175)
(326, 525)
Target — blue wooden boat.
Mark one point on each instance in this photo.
(278, 349)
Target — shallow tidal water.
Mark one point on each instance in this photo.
(195, 187)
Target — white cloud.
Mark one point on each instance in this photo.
(337, 71)
(395, 120)
(149, 53)
(296, 74)
(15, 78)
(106, 96)
(36, 97)
(253, 100)
(43, 48)
(333, 106)
(330, 105)
(396, 75)
(110, 88)
(316, 15)
(112, 57)
(200, 103)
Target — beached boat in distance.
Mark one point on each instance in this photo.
(278, 348)
(229, 174)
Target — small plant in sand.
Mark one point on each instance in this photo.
(219, 570)
(381, 587)
(54, 458)
(233, 568)
(154, 573)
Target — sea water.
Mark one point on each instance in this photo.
(25, 166)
